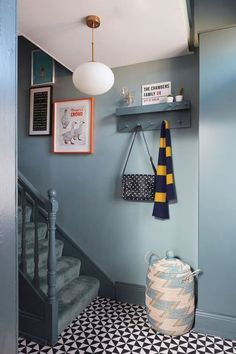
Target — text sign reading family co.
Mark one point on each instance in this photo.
(155, 93)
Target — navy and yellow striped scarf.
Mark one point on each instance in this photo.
(164, 182)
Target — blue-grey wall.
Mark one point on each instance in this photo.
(213, 14)
(116, 234)
(8, 236)
(217, 169)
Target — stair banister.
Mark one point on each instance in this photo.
(36, 247)
(32, 191)
(52, 208)
(44, 310)
(23, 240)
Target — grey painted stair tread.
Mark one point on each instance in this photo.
(68, 268)
(43, 253)
(74, 298)
(29, 232)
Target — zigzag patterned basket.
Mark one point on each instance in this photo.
(170, 300)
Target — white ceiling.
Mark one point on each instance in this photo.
(131, 31)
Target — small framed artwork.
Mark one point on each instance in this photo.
(73, 126)
(40, 110)
(42, 68)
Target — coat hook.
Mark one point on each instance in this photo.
(138, 126)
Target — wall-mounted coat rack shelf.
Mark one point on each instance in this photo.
(150, 117)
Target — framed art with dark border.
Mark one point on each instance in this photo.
(73, 126)
(42, 68)
(40, 110)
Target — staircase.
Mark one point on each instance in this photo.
(52, 290)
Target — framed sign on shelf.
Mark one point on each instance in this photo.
(40, 110)
(73, 126)
(42, 68)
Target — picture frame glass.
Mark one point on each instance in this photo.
(40, 110)
(42, 70)
(73, 126)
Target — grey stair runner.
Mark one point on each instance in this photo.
(74, 292)
(43, 254)
(68, 268)
(83, 288)
(42, 230)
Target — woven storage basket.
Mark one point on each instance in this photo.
(170, 299)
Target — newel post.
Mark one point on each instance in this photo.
(52, 211)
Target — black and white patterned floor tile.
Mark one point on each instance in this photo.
(107, 326)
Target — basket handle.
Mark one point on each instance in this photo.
(151, 257)
(186, 277)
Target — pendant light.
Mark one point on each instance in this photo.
(93, 78)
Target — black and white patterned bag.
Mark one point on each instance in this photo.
(138, 187)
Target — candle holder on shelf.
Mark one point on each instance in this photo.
(127, 96)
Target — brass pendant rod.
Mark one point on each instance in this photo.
(92, 44)
(93, 21)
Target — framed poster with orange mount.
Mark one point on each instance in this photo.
(73, 126)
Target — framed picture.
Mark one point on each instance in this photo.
(73, 126)
(42, 68)
(40, 110)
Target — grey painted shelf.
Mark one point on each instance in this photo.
(150, 117)
(152, 108)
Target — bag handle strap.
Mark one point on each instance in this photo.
(131, 147)
(150, 157)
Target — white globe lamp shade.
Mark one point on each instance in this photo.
(93, 78)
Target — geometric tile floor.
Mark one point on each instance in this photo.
(107, 326)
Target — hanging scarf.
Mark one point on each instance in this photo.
(164, 183)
